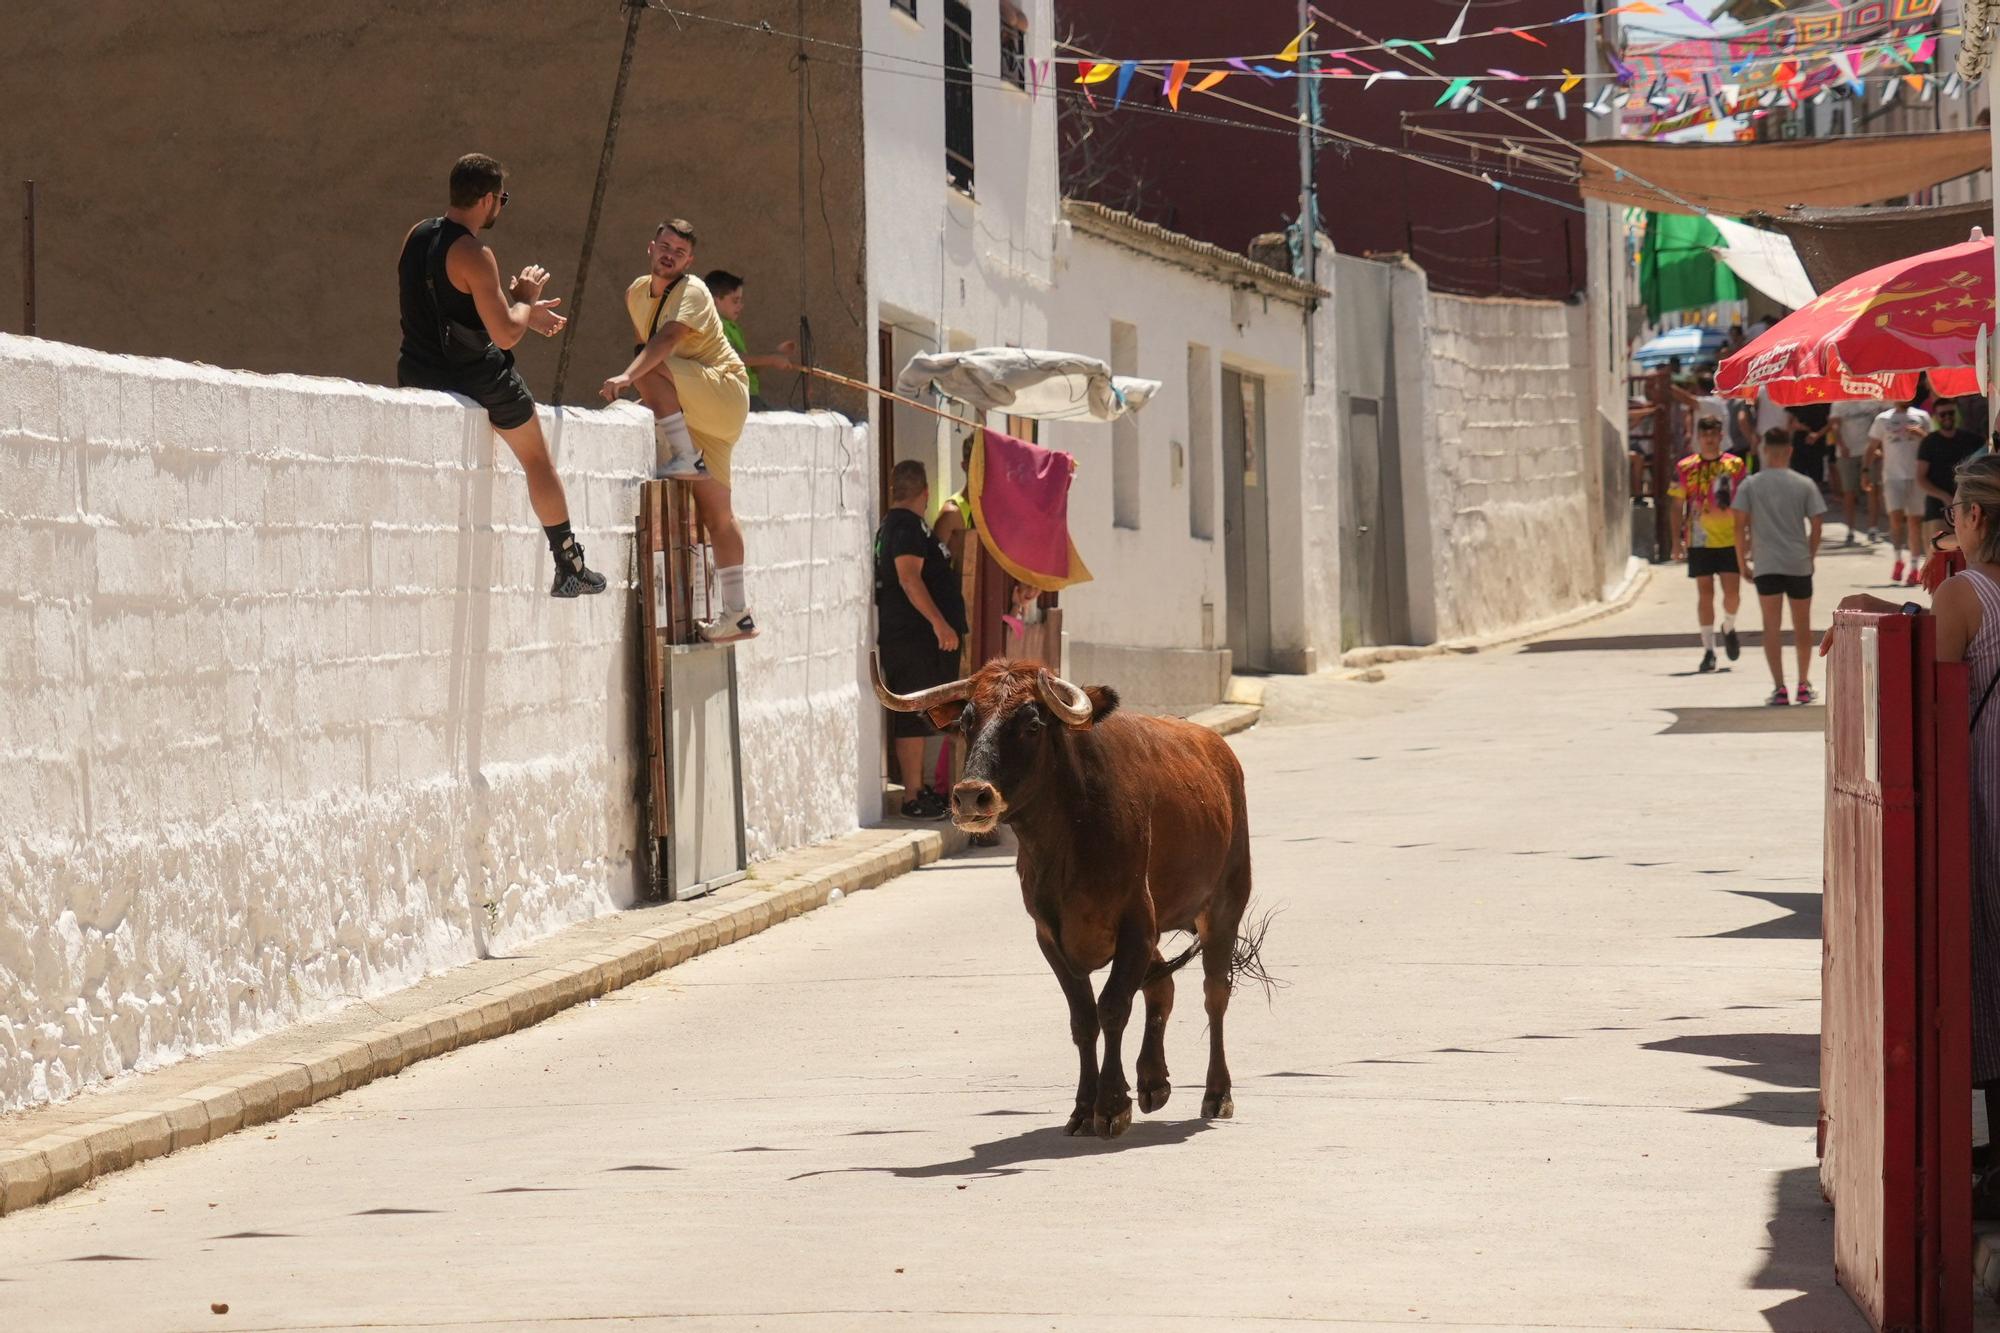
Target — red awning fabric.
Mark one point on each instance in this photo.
(1739, 179)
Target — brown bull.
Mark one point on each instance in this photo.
(1128, 826)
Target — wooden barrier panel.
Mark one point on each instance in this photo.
(1895, 1093)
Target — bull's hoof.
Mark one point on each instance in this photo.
(1153, 1098)
(1080, 1122)
(1217, 1107)
(1110, 1127)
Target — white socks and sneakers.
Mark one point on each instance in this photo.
(671, 437)
(735, 623)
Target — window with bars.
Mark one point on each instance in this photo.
(958, 93)
(1013, 44)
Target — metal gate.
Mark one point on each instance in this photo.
(1895, 1125)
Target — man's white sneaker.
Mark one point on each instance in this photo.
(684, 467)
(730, 627)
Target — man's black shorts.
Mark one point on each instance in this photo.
(909, 665)
(1706, 560)
(493, 383)
(1798, 587)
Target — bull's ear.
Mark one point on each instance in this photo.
(1103, 702)
(945, 716)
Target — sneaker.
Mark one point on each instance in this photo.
(573, 577)
(1805, 694)
(1778, 699)
(1896, 574)
(1707, 661)
(681, 468)
(1915, 576)
(730, 627)
(1731, 644)
(926, 805)
(1852, 540)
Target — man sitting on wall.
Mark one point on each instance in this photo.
(688, 374)
(458, 327)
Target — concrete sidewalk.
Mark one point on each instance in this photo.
(1545, 1058)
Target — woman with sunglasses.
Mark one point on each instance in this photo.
(1967, 606)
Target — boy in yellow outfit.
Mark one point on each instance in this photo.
(685, 370)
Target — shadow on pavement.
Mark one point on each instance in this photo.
(1049, 1143)
(1787, 1060)
(1748, 718)
(1639, 643)
(1799, 1259)
(1800, 922)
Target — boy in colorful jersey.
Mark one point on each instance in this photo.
(1703, 489)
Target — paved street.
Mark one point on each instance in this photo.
(1545, 1057)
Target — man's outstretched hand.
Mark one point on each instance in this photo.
(615, 387)
(543, 319)
(528, 285)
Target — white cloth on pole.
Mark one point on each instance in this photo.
(1048, 386)
(1765, 260)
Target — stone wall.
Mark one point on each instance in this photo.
(288, 718)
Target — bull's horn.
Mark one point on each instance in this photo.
(919, 702)
(1065, 700)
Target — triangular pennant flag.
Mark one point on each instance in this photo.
(1562, 106)
(1174, 77)
(1267, 72)
(1038, 70)
(1211, 79)
(1416, 45)
(1125, 72)
(1382, 74)
(1569, 81)
(1534, 100)
(1919, 85)
(1457, 25)
(1889, 90)
(1291, 51)
(1507, 74)
(1687, 10)
(1523, 35)
(1452, 90)
(1578, 17)
(1844, 60)
(1096, 72)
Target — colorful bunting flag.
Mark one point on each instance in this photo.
(1382, 74)
(1570, 81)
(1210, 80)
(1452, 90)
(1125, 72)
(1457, 26)
(1524, 36)
(1428, 54)
(1508, 74)
(1174, 77)
(1291, 51)
(1095, 73)
(1687, 10)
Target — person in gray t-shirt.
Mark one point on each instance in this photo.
(1778, 518)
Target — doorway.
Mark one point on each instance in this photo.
(1372, 600)
(1246, 522)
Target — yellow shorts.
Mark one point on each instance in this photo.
(715, 404)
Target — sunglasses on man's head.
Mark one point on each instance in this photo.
(503, 198)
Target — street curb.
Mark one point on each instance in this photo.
(43, 1168)
(1361, 659)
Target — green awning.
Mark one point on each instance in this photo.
(1677, 270)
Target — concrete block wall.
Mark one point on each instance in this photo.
(288, 719)
(1511, 484)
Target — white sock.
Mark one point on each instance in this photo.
(673, 430)
(1708, 638)
(729, 582)
(1728, 623)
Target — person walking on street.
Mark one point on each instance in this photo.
(699, 391)
(919, 617)
(459, 328)
(1851, 422)
(1779, 515)
(1899, 431)
(1704, 531)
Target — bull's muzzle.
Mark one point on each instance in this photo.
(976, 806)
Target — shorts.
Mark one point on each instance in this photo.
(1850, 475)
(715, 404)
(1903, 497)
(1798, 587)
(1704, 561)
(494, 384)
(913, 664)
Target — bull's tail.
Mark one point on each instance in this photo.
(1246, 955)
(1166, 967)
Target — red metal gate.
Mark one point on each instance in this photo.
(1895, 1065)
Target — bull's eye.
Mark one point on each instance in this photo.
(968, 722)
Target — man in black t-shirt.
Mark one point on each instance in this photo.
(919, 615)
(1810, 447)
(1938, 457)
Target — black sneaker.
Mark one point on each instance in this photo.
(1707, 661)
(926, 805)
(1731, 644)
(573, 577)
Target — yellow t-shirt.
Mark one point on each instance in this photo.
(1706, 488)
(686, 302)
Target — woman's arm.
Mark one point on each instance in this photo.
(1956, 606)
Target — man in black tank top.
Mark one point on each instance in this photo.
(458, 324)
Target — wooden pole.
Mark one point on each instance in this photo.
(633, 9)
(28, 320)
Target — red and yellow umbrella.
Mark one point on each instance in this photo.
(1873, 335)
